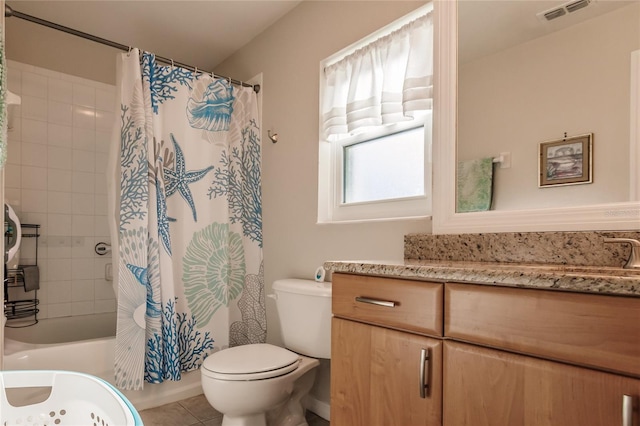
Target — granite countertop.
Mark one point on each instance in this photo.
(583, 279)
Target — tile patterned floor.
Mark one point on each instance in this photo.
(196, 411)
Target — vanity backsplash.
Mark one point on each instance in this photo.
(585, 248)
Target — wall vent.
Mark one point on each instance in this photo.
(563, 9)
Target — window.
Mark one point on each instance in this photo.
(375, 125)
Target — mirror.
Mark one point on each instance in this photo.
(12, 235)
(491, 104)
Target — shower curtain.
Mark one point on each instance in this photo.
(189, 264)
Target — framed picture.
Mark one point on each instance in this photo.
(566, 161)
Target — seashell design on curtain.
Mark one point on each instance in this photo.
(190, 277)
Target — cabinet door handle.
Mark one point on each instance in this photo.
(424, 372)
(627, 410)
(378, 302)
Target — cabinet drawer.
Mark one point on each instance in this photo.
(414, 305)
(584, 329)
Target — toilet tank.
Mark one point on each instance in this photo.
(304, 309)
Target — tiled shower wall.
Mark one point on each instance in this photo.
(55, 176)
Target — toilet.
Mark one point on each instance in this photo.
(263, 384)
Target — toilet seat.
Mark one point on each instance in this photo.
(250, 362)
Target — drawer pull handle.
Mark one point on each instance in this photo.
(627, 410)
(424, 371)
(386, 303)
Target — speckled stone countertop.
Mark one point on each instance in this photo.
(583, 279)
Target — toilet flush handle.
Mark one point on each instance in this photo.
(272, 296)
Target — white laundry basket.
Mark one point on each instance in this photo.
(75, 399)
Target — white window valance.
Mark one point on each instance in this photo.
(386, 81)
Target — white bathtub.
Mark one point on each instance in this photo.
(37, 347)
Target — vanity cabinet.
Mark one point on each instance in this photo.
(386, 352)
(537, 357)
(488, 387)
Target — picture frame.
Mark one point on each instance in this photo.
(566, 161)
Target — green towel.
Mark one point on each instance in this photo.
(474, 182)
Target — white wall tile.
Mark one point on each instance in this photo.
(34, 177)
(82, 290)
(83, 182)
(82, 226)
(104, 289)
(60, 135)
(58, 270)
(34, 131)
(104, 306)
(14, 123)
(59, 180)
(84, 139)
(100, 204)
(84, 117)
(60, 225)
(101, 226)
(60, 113)
(59, 158)
(101, 184)
(34, 108)
(82, 204)
(12, 175)
(58, 149)
(104, 121)
(99, 263)
(83, 161)
(34, 85)
(14, 80)
(34, 154)
(105, 100)
(59, 252)
(13, 196)
(57, 310)
(82, 308)
(103, 141)
(101, 162)
(59, 202)
(60, 91)
(81, 269)
(34, 201)
(84, 96)
(14, 152)
(59, 291)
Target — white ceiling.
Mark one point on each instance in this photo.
(199, 33)
(204, 33)
(488, 26)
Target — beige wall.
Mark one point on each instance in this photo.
(44, 47)
(288, 54)
(574, 81)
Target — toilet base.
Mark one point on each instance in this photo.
(248, 420)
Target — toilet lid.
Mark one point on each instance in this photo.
(250, 362)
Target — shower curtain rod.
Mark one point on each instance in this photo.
(9, 12)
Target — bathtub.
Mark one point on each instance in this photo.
(86, 344)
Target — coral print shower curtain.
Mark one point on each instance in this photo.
(190, 275)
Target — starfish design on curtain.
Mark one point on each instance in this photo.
(163, 218)
(153, 308)
(179, 178)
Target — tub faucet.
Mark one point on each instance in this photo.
(634, 257)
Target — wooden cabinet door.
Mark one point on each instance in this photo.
(375, 377)
(486, 387)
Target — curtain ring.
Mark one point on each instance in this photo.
(172, 64)
(195, 70)
(129, 51)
